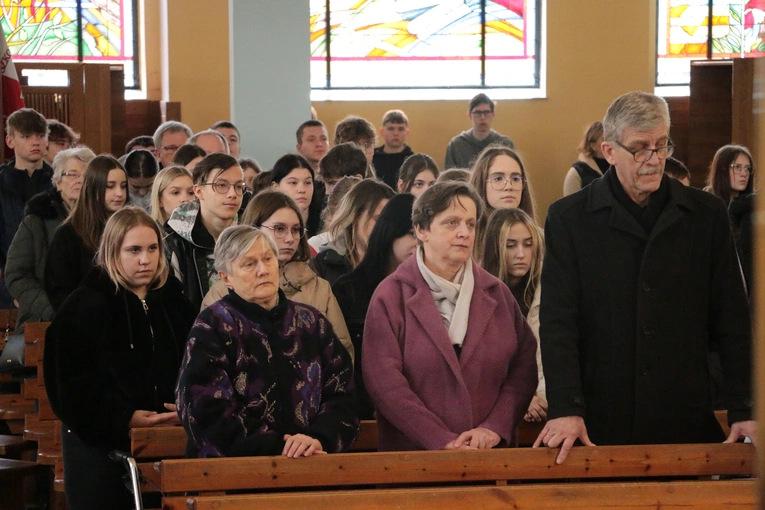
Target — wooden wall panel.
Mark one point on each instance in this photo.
(678, 113)
(709, 115)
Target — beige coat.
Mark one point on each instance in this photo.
(533, 320)
(300, 284)
(573, 183)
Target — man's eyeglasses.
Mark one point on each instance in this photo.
(280, 231)
(643, 155)
(222, 187)
(499, 182)
(365, 145)
(741, 169)
(481, 113)
(169, 148)
(72, 173)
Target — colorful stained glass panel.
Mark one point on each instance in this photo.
(738, 30)
(46, 30)
(422, 43)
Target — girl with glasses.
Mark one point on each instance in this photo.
(194, 227)
(731, 177)
(501, 181)
(278, 216)
(293, 176)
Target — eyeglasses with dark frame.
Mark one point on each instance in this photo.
(280, 231)
(643, 155)
(499, 182)
(222, 187)
(481, 113)
(74, 174)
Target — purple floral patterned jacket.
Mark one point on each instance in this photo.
(251, 375)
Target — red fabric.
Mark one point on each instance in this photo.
(12, 98)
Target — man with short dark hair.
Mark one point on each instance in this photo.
(231, 134)
(464, 148)
(60, 138)
(24, 176)
(389, 157)
(623, 363)
(144, 142)
(341, 160)
(312, 142)
(359, 131)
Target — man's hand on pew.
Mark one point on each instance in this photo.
(537, 410)
(300, 445)
(563, 432)
(155, 419)
(743, 429)
(478, 438)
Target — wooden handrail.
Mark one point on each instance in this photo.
(235, 473)
(640, 495)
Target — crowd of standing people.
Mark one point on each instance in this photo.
(268, 311)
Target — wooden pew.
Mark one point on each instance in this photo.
(617, 496)
(352, 471)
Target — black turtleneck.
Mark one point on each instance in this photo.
(647, 215)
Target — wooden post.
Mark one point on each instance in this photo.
(759, 272)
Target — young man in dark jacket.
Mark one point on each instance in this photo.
(22, 177)
(391, 154)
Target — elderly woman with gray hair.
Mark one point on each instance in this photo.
(448, 359)
(263, 375)
(43, 214)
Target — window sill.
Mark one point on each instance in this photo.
(424, 94)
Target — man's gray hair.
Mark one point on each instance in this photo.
(235, 241)
(635, 110)
(171, 126)
(62, 158)
(193, 139)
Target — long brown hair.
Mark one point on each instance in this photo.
(90, 214)
(481, 176)
(412, 167)
(495, 251)
(719, 171)
(264, 205)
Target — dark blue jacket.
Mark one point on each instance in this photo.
(16, 187)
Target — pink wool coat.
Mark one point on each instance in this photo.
(424, 395)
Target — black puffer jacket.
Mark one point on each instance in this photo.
(105, 357)
(25, 266)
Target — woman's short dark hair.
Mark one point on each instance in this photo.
(216, 161)
(141, 164)
(263, 205)
(188, 153)
(439, 198)
(287, 164)
(412, 167)
(719, 171)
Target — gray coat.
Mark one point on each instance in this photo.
(627, 318)
(25, 266)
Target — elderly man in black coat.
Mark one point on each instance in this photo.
(640, 280)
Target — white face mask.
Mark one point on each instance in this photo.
(142, 202)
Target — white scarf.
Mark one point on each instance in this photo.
(452, 298)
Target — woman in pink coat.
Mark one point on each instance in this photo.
(448, 358)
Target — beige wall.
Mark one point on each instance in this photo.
(197, 48)
(596, 50)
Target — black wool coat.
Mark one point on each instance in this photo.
(627, 318)
(105, 357)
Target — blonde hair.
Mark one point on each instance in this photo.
(162, 181)
(495, 250)
(117, 227)
(362, 198)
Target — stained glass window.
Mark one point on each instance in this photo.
(424, 43)
(57, 30)
(738, 30)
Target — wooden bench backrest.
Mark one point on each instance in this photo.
(349, 469)
(624, 496)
